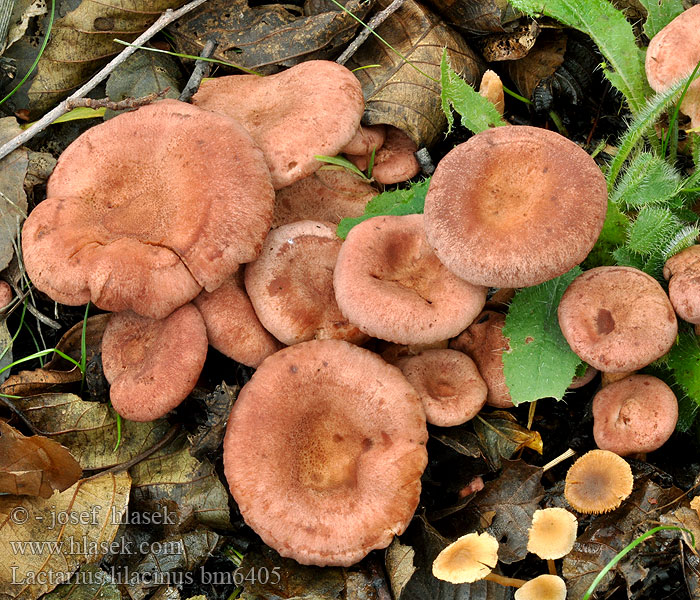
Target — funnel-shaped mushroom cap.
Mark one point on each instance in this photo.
(515, 206)
(152, 365)
(636, 414)
(544, 587)
(683, 271)
(598, 482)
(291, 285)
(327, 195)
(146, 229)
(233, 327)
(390, 283)
(617, 319)
(448, 383)
(313, 108)
(552, 533)
(673, 54)
(483, 340)
(335, 448)
(471, 558)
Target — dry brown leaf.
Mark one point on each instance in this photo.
(512, 45)
(13, 200)
(39, 553)
(70, 342)
(539, 66)
(34, 466)
(39, 381)
(395, 92)
(477, 16)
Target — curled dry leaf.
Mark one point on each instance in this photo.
(39, 553)
(264, 36)
(477, 16)
(82, 41)
(27, 383)
(89, 429)
(510, 46)
(71, 341)
(13, 200)
(210, 434)
(538, 67)
(395, 92)
(34, 466)
(500, 436)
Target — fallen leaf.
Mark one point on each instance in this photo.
(71, 340)
(395, 92)
(261, 37)
(399, 561)
(500, 436)
(5, 349)
(89, 429)
(22, 12)
(537, 68)
(13, 200)
(28, 383)
(210, 434)
(88, 583)
(40, 551)
(477, 16)
(513, 497)
(513, 45)
(34, 466)
(173, 478)
(460, 440)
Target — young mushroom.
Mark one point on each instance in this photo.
(544, 587)
(390, 283)
(552, 533)
(394, 162)
(471, 558)
(137, 230)
(515, 206)
(334, 442)
(636, 414)
(367, 140)
(617, 319)
(598, 482)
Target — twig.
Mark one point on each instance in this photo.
(125, 104)
(20, 415)
(202, 68)
(165, 19)
(374, 22)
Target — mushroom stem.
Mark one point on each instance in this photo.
(507, 581)
(608, 378)
(561, 458)
(552, 567)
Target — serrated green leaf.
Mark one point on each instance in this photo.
(680, 239)
(625, 258)
(647, 180)
(684, 362)
(612, 236)
(652, 230)
(476, 112)
(540, 363)
(395, 202)
(659, 14)
(613, 35)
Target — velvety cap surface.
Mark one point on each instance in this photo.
(146, 230)
(233, 327)
(515, 206)
(390, 283)
(617, 319)
(291, 285)
(313, 108)
(335, 448)
(152, 365)
(636, 414)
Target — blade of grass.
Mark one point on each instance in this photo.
(119, 432)
(339, 161)
(39, 354)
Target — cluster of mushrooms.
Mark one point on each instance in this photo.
(163, 216)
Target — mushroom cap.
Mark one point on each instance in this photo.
(291, 285)
(139, 230)
(598, 482)
(390, 283)
(672, 55)
(543, 587)
(483, 340)
(152, 365)
(552, 533)
(448, 384)
(394, 162)
(366, 140)
(313, 108)
(327, 195)
(335, 448)
(233, 328)
(515, 206)
(617, 319)
(471, 558)
(585, 379)
(683, 271)
(6, 294)
(636, 414)
(491, 88)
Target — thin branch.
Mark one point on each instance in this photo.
(164, 20)
(374, 22)
(126, 104)
(202, 68)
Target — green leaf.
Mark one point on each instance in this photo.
(540, 363)
(476, 112)
(611, 32)
(684, 362)
(647, 180)
(625, 258)
(652, 230)
(396, 202)
(659, 14)
(612, 236)
(339, 161)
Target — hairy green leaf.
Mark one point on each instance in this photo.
(540, 363)
(647, 180)
(396, 202)
(626, 258)
(613, 35)
(684, 362)
(680, 239)
(612, 236)
(659, 14)
(652, 229)
(476, 112)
